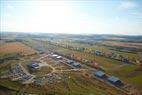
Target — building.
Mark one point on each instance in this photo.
(59, 57)
(76, 65)
(70, 61)
(39, 81)
(126, 60)
(100, 74)
(98, 53)
(73, 64)
(96, 65)
(54, 55)
(115, 81)
(35, 66)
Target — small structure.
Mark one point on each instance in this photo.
(100, 74)
(35, 66)
(98, 53)
(73, 64)
(54, 55)
(59, 57)
(76, 65)
(39, 81)
(70, 62)
(96, 65)
(115, 81)
(126, 60)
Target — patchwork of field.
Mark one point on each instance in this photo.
(122, 44)
(16, 47)
(76, 84)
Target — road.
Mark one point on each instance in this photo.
(43, 63)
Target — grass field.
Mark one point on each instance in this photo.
(130, 74)
(76, 85)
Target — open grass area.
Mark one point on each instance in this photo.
(73, 86)
(42, 71)
(129, 74)
(11, 85)
(77, 85)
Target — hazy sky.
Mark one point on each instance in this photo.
(72, 16)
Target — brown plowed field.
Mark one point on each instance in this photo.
(16, 47)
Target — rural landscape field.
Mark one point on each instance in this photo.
(70, 47)
(57, 64)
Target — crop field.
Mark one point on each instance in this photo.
(122, 44)
(16, 47)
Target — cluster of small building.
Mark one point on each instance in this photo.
(18, 72)
(113, 56)
(100, 74)
(98, 53)
(56, 56)
(69, 62)
(74, 64)
(111, 79)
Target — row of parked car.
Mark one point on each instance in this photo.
(17, 72)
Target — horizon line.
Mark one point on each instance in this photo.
(73, 33)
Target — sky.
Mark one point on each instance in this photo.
(72, 16)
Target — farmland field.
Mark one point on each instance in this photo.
(56, 77)
(16, 47)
